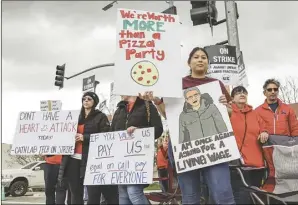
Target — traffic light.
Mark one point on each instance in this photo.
(203, 12)
(59, 79)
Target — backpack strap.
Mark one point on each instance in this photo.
(148, 111)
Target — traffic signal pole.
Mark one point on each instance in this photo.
(232, 28)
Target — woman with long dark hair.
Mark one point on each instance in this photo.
(217, 177)
(133, 113)
(73, 167)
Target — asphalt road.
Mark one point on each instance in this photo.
(29, 198)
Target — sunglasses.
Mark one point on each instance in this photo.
(271, 89)
(87, 98)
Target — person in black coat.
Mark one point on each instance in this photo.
(133, 113)
(73, 167)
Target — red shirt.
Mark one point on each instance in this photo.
(188, 82)
(79, 145)
(55, 159)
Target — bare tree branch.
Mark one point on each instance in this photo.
(289, 90)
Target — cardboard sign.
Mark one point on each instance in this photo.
(148, 54)
(223, 63)
(118, 158)
(50, 105)
(45, 133)
(200, 128)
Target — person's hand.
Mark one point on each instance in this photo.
(263, 137)
(79, 137)
(223, 100)
(131, 129)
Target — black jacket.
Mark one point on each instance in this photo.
(138, 117)
(96, 122)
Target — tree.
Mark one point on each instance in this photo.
(22, 159)
(289, 90)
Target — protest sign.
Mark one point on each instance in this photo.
(200, 128)
(223, 63)
(89, 84)
(242, 78)
(119, 158)
(148, 53)
(45, 133)
(50, 105)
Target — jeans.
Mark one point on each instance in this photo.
(51, 186)
(217, 178)
(132, 194)
(252, 178)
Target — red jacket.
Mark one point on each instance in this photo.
(282, 122)
(161, 158)
(247, 126)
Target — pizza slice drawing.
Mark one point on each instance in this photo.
(145, 73)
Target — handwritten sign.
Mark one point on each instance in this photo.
(45, 133)
(119, 158)
(200, 128)
(50, 105)
(148, 54)
(223, 63)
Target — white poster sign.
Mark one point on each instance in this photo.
(50, 105)
(45, 133)
(148, 54)
(119, 158)
(223, 63)
(200, 128)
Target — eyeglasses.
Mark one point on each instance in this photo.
(271, 89)
(193, 96)
(87, 98)
(239, 93)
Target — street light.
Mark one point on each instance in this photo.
(110, 5)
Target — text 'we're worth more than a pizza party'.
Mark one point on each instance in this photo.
(140, 33)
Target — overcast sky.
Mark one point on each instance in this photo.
(38, 35)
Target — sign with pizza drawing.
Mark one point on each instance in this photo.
(148, 54)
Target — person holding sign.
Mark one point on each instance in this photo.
(133, 113)
(73, 167)
(248, 129)
(217, 177)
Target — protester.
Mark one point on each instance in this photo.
(280, 118)
(133, 113)
(73, 167)
(51, 170)
(162, 163)
(217, 177)
(249, 131)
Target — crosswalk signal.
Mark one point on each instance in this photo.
(203, 12)
(59, 79)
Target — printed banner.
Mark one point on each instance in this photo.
(50, 105)
(148, 54)
(223, 63)
(200, 128)
(119, 158)
(45, 133)
(242, 79)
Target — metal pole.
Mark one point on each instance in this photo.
(232, 28)
(89, 69)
